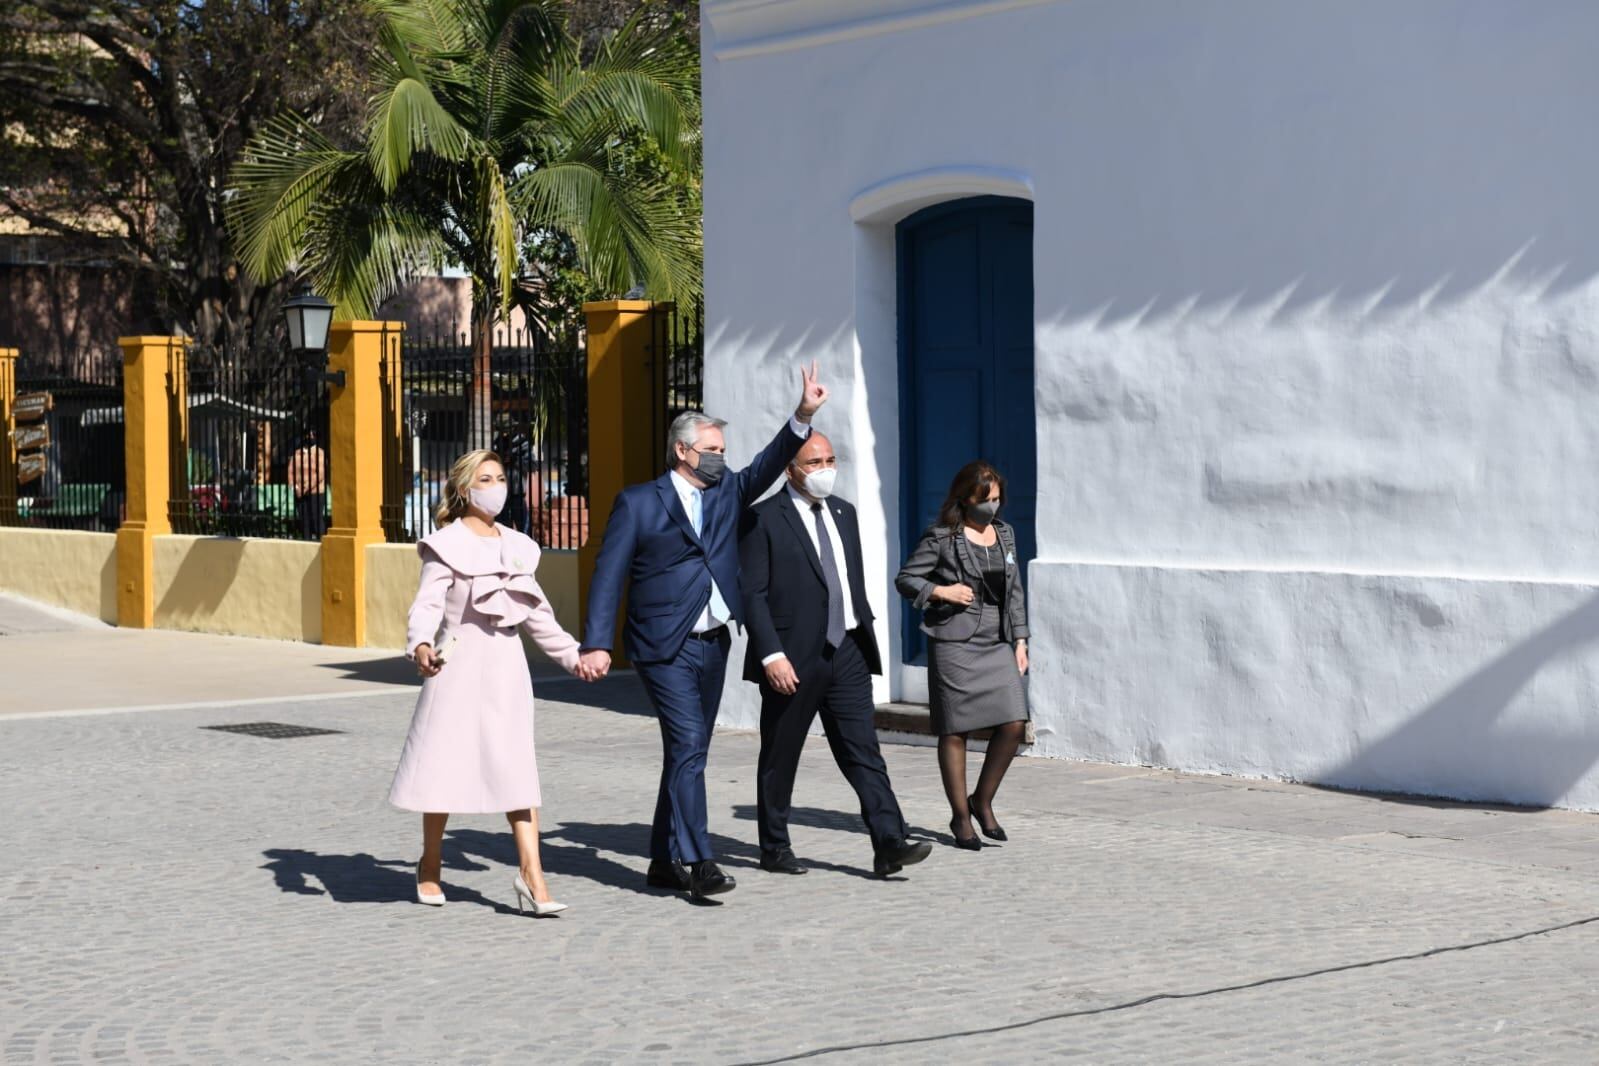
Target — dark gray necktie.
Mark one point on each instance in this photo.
(835, 589)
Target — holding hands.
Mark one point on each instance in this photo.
(593, 664)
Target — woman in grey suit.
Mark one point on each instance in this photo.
(965, 578)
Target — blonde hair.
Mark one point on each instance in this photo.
(457, 497)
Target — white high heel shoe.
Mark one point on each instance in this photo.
(431, 901)
(524, 900)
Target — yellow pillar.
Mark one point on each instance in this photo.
(355, 472)
(149, 365)
(8, 446)
(622, 417)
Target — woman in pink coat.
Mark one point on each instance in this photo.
(470, 748)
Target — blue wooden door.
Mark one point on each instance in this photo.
(966, 362)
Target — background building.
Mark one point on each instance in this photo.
(1281, 316)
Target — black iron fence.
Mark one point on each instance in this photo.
(530, 405)
(677, 361)
(69, 441)
(249, 445)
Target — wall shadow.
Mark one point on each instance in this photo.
(311, 602)
(550, 681)
(108, 589)
(396, 671)
(621, 693)
(200, 583)
(1457, 746)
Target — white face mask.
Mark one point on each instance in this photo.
(490, 501)
(819, 483)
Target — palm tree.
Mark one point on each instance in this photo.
(487, 128)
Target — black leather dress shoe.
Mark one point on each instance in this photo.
(667, 873)
(781, 862)
(707, 879)
(894, 855)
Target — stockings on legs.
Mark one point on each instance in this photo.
(1002, 747)
(952, 768)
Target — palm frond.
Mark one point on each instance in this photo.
(622, 97)
(361, 245)
(427, 26)
(287, 168)
(407, 117)
(498, 226)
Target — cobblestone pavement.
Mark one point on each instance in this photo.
(174, 894)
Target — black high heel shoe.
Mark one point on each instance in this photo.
(996, 833)
(970, 843)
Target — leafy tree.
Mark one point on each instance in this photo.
(487, 128)
(592, 21)
(121, 119)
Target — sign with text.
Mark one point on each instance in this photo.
(30, 467)
(28, 437)
(29, 406)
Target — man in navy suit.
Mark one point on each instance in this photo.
(673, 544)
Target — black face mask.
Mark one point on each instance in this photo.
(982, 513)
(712, 466)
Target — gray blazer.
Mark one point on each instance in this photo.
(943, 557)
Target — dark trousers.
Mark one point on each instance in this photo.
(310, 511)
(686, 692)
(839, 687)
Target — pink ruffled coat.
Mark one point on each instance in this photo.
(470, 748)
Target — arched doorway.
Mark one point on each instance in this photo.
(966, 362)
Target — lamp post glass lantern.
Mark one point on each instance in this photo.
(308, 317)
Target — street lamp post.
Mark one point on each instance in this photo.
(308, 317)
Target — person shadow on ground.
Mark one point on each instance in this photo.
(568, 849)
(364, 878)
(847, 822)
(584, 849)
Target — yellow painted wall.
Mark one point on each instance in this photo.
(243, 587)
(62, 567)
(558, 578)
(392, 571)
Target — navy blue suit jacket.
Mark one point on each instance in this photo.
(651, 550)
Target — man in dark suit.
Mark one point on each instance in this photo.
(811, 650)
(673, 543)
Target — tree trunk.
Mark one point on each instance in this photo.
(480, 420)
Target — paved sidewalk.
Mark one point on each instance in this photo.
(57, 662)
(175, 894)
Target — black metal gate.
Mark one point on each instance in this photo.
(538, 414)
(677, 366)
(69, 445)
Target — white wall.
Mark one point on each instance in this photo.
(1317, 352)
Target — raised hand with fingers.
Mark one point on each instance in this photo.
(812, 393)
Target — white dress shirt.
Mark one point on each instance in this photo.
(840, 556)
(716, 612)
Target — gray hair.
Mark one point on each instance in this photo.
(686, 430)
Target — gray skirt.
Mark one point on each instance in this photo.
(974, 684)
